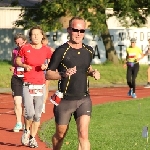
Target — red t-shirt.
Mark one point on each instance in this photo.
(35, 58)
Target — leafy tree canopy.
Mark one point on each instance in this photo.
(132, 12)
(48, 12)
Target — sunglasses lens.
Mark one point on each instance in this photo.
(77, 30)
(82, 31)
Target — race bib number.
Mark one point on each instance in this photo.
(36, 90)
(56, 98)
(20, 72)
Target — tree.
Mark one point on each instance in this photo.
(48, 14)
(132, 12)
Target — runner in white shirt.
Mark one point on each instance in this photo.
(147, 50)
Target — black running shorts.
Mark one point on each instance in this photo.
(67, 108)
(16, 86)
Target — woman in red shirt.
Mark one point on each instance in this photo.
(34, 55)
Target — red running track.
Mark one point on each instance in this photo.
(10, 140)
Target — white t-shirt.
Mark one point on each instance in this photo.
(145, 50)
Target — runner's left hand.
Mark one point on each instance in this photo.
(96, 74)
(12, 69)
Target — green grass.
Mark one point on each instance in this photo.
(110, 75)
(114, 126)
(116, 74)
(5, 74)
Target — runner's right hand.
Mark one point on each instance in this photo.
(125, 65)
(27, 67)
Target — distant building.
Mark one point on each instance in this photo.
(22, 3)
(120, 36)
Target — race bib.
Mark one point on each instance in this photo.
(20, 72)
(36, 90)
(56, 98)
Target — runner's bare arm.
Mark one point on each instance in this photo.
(142, 55)
(44, 66)
(20, 64)
(12, 63)
(48, 60)
(52, 75)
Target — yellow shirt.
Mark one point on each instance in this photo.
(133, 54)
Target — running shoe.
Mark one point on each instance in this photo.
(130, 92)
(18, 127)
(134, 95)
(33, 143)
(147, 86)
(25, 137)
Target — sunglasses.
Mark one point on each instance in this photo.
(77, 30)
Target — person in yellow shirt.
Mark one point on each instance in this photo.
(134, 54)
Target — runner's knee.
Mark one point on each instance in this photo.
(17, 100)
(36, 118)
(29, 117)
(61, 134)
(83, 134)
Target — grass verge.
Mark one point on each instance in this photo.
(110, 75)
(114, 126)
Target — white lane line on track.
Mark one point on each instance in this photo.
(7, 102)
(7, 112)
(49, 103)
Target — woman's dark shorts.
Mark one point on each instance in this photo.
(16, 86)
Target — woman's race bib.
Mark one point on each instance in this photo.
(36, 90)
(20, 72)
